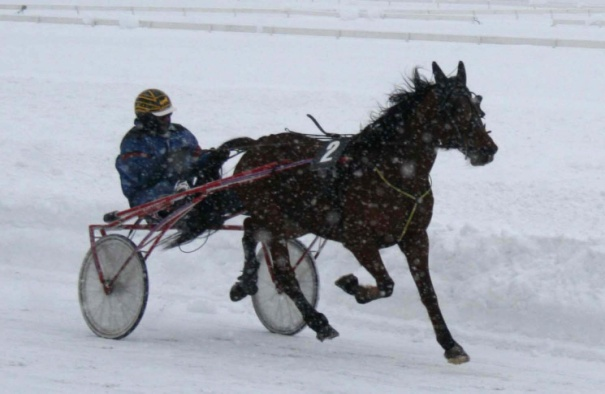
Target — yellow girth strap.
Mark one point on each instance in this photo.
(417, 200)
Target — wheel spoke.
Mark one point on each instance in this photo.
(115, 315)
(275, 310)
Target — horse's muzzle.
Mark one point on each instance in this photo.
(482, 156)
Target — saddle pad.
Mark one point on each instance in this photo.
(330, 152)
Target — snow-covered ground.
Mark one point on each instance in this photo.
(518, 246)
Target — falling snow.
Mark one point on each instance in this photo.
(517, 246)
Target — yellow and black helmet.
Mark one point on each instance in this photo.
(153, 101)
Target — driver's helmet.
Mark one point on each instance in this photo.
(153, 101)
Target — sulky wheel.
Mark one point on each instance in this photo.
(274, 308)
(113, 313)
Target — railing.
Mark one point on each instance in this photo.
(328, 32)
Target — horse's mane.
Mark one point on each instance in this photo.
(403, 101)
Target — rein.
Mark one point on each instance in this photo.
(417, 200)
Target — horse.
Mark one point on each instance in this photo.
(377, 194)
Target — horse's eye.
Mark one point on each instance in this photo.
(476, 101)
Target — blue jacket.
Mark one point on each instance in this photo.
(151, 164)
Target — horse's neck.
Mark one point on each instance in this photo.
(406, 152)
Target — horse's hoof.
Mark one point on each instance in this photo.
(327, 333)
(237, 292)
(362, 298)
(240, 290)
(456, 355)
(348, 283)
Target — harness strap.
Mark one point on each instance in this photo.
(417, 200)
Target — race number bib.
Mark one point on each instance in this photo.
(330, 152)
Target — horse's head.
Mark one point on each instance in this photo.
(460, 125)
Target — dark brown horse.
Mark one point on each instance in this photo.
(378, 194)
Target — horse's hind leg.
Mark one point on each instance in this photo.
(415, 246)
(246, 283)
(369, 258)
(287, 282)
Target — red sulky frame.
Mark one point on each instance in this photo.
(115, 309)
(133, 219)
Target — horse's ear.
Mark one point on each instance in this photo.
(440, 77)
(461, 77)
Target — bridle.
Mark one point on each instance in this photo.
(445, 111)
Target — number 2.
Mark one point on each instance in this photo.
(330, 149)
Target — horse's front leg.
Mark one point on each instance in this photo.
(247, 282)
(287, 282)
(369, 258)
(415, 246)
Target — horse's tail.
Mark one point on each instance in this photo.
(209, 215)
(238, 144)
(203, 220)
(219, 155)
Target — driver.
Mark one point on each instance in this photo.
(158, 158)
